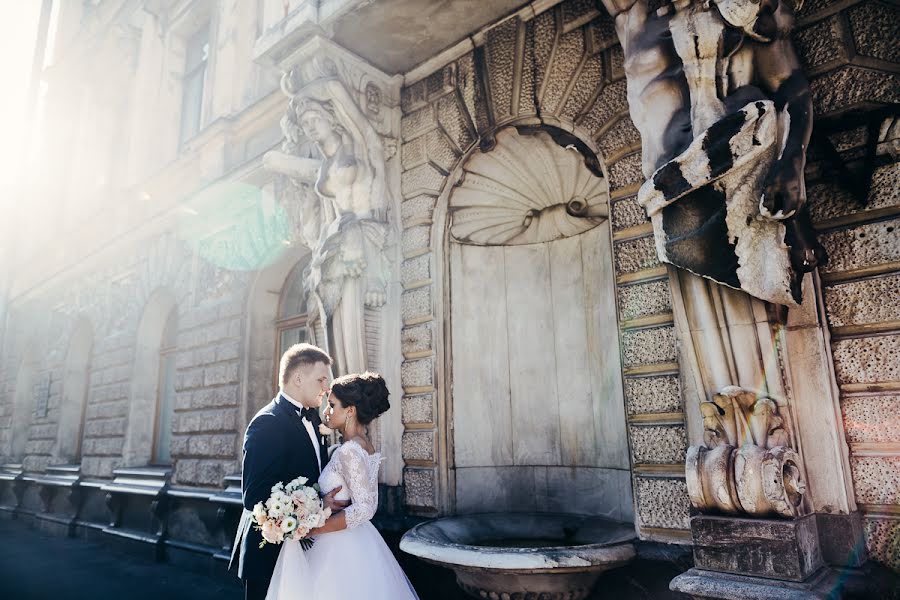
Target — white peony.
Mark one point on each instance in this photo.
(288, 524)
(259, 512)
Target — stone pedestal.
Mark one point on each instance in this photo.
(755, 558)
(773, 548)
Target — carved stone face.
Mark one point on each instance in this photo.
(316, 126)
(753, 16)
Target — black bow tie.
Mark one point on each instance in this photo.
(310, 414)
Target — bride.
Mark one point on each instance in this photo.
(349, 559)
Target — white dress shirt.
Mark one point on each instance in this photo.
(313, 435)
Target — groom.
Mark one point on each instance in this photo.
(282, 443)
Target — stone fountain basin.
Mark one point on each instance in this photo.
(514, 556)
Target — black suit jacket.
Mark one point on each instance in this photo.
(276, 448)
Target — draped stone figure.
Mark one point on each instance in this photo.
(725, 116)
(342, 196)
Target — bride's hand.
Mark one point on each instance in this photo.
(335, 505)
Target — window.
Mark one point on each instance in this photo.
(292, 311)
(196, 58)
(165, 405)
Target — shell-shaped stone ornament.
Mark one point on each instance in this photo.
(528, 189)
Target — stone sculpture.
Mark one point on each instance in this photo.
(747, 465)
(725, 116)
(343, 200)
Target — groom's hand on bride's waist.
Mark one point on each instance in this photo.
(335, 505)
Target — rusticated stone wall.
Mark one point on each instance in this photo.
(851, 54)
(210, 304)
(560, 68)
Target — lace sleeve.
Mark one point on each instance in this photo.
(353, 466)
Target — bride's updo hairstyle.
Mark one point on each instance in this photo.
(366, 391)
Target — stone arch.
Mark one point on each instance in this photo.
(143, 399)
(261, 312)
(76, 383)
(23, 403)
(559, 69)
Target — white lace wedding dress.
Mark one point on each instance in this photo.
(352, 564)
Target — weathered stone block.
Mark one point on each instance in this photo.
(419, 207)
(418, 409)
(416, 238)
(662, 502)
(416, 339)
(418, 445)
(644, 299)
(635, 255)
(648, 346)
(871, 419)
(652, 394)
(776, 549)
(659, 444)
(863, 302)
(419, 487)
(626, 171)
(417, 373)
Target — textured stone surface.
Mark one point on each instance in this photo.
(472, 91)
(662, 503)
(644, 299)
(635, 255)
(867, 360)
(627, 213)
(416, 339)
(876, 479)
(626, 171)
(415, 238)
(419, 487)
(620, 136)
(440, 151)
(848, 86)
(660, 444)
(862, 246)
(648, 346)
(417, 123)
(610, 103)
(876, 29)
(418, 207)
(526, 85)
(501, 55)
(415, 303)
(869, 419)
(418, 445)
(883, 540)
(569, 51)
(415, 269)
(785, 549)
(544, 40)
(417, 373)
(589, 79)
(820, 43)
(418, 408)
(603, 32)
(424, 178)
(454, 122)
(865, 301)
(652, 394)
(413, 97)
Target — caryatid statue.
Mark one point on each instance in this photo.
(724, 112)
(343, 200)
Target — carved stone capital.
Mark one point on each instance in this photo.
(746, 466)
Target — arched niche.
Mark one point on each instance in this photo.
(536, 405)
(76, 380)
(146, 379)
(23, 404)
(261, 339)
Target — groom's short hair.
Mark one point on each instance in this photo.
(299, 355)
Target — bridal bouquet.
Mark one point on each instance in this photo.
(290, 512)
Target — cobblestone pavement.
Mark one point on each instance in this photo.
(38, 566)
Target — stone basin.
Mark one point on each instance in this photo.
(523, 556)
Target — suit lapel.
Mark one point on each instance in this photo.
(289, 412)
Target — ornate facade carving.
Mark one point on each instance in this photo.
(747, 465)
(526, 191)
(725, 116)
(339, 136)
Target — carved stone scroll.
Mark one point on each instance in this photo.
(746, 466)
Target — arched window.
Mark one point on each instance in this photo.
(152, 384)
(295, 322)
(23, 405)
(74, 393)
(165, 402)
